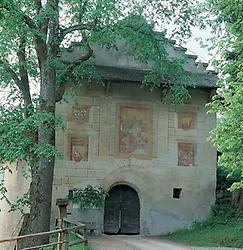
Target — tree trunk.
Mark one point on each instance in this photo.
(42, 173)
(237, 199)
(41, 196)
(240, 206)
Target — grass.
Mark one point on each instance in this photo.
(77, 247)
(213, 232)
(72, 238)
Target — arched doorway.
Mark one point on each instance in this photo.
(122, 211)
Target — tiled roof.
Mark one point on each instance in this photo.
(119, 63)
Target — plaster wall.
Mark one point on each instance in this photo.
(16, 185)
(153, 179)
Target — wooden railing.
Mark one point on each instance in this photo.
(63, 238)
(64, 228)
(79, 233)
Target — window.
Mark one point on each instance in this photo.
(177, 193)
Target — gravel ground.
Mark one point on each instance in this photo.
(123, 242)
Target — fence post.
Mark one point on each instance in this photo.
(86, 242)
(60, 241)
(62, 205)
(17, 245)
(66, 240)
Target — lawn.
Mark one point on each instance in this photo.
(72, 238)
(77, 247)
(213, 232)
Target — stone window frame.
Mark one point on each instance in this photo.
(194, 142)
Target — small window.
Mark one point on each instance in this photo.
(70, 194)
(177, 193)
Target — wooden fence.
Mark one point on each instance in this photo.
(64, 228)
(63, 238)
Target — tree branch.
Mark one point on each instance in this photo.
(38, 5)
(70, 29)
(14, 76)
(87, 53)
(11, 9)
(43, 25)
(83, 9)
(23, 71)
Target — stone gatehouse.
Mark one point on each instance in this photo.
(155, 161)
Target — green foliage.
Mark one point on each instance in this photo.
(225, 180)
(24, 37)
(227, 24)
(21, 203)
(72, 238)
(101, 22)
(211, 233)
(89, 197)
(18, 134)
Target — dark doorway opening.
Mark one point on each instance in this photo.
(122, 211)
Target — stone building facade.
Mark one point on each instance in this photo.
(131, 138)
(155, 161)
(124, 138)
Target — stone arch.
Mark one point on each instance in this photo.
(122, 210)
(137, 177)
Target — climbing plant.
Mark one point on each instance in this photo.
(90, 197)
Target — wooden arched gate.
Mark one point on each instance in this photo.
(122, 211)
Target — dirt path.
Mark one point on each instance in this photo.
(139, 243)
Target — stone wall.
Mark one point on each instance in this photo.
(181, 156)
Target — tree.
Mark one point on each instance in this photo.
(32, 35)
(227, 23)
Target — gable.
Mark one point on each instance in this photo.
(119, 63)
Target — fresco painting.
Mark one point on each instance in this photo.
(134, 131)
(186, 154)
(186, 120)
(79, 149)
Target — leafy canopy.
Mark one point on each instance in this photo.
(30, 29)
(227, 23)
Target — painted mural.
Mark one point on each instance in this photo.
(186, 120)
(79, 149)
(134, 135)
(186, 154)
